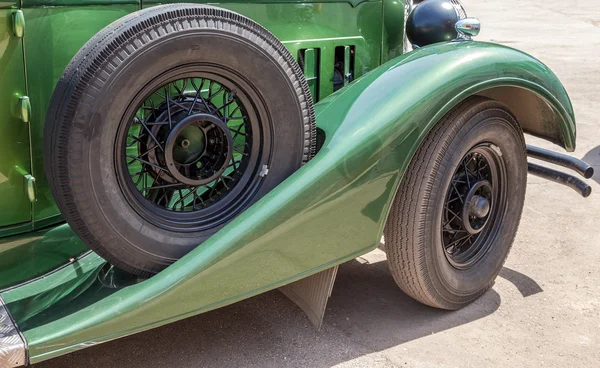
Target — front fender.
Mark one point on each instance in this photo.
(410, 94)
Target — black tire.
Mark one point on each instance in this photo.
(95, 102)
(434, 256)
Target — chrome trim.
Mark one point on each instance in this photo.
(13, 349)
(468, 28)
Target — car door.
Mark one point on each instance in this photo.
(17, 186)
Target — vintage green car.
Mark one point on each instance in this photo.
(159, 161)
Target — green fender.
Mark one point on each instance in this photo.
(330, 211)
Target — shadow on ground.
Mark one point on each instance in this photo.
(366, 313)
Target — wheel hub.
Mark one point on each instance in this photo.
(189, 145)
(477, 207)
(190, 150)
(473, 206)
(198, 149)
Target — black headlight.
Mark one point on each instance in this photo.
(434, 21)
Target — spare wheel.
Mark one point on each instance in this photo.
(169, 123)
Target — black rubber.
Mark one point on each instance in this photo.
(413, 244)
(90, 100)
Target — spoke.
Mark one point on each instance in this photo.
(455, 216)
(182, 198)
(155, 187)
(151, 135)
(212, 95)
(223, 107)
(152, 108)
(233, 163)
(224, 184)
(458, 193)
(140, 175)
(148, 151)
(462, 243)
(179, 91)
(157, 123)
(198, 95)
(187, 195)
(237, 132)
(135, 140)
(212, 189)
(167, 100)
(146, 162)
(457, 241)
(168, 108)
(466, 173)
(196, 196)
(453, 231)
(480, 168)
(226, 102)
(163, 196)
(240, 152)
(233, 112)
(240, 145)
(452, 200)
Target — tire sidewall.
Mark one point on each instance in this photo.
(111, 209)
(497, 127)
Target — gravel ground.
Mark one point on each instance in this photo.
(544, 309)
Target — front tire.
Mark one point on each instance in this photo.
(167, 125)
(458, 207)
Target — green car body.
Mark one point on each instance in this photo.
(330, 211)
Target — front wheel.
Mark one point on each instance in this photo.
(458, 208)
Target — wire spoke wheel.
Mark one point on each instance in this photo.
(191, 150)
(456, 213)
(168, 124)
(474, 206)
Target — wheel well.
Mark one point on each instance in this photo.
(536, 116)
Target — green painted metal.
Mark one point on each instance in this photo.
(15, 207)
(55, 34)
(331, 210)
(311, 71)
(393, 29)
(36, 3)
(30, 186)
(322, 26)
(35, 253)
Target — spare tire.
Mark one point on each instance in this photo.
(169, 123)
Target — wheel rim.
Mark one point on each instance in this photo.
(191, 148)
(474, 206)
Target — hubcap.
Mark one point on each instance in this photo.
(198, 149)
(474, 206)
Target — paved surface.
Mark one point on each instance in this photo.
(543, 311)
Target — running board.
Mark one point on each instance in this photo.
(13, 349)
